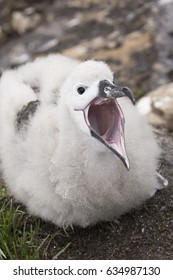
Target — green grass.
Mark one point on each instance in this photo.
(22, 236)
(139, 92)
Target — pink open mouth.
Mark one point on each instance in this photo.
(105, 119)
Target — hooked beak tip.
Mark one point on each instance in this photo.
(127, 165)
(127, 92)
(124, 159)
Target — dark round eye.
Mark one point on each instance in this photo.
(81, 90)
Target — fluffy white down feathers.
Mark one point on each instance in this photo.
(51, 163)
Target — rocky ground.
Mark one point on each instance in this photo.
(135, 38)
(120, 32)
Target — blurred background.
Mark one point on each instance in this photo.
(134, 37)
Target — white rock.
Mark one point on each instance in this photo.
(52, 43)
(22, 22)
(158, 106)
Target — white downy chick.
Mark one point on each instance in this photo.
(72, 150)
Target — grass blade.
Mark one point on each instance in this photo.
(61, 251)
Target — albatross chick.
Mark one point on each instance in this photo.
(73, 146)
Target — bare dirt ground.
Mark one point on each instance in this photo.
(125, 34)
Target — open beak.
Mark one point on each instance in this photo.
(105, 118)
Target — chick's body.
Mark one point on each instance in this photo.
(50, 164)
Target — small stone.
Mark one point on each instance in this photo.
(29, 11)
(163, 208)
(114, 35)
(158, 106)
(111, 45)
(131, 16)
(22, 22)
(98, 43)
(73, 22)
(49, 45)
(18, 55)
(21, 59)
(134, 35)
(78, 51)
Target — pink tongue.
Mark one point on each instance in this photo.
(106, 119)
(101, 118)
